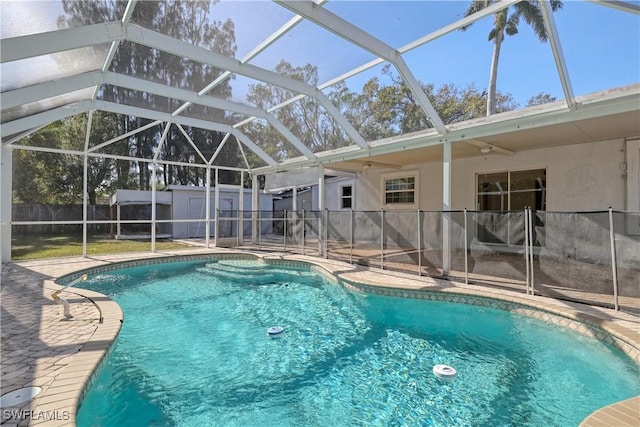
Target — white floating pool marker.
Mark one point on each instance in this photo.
(445, 372)
(275, 331)
(18, 397)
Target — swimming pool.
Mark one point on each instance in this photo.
(194, 351)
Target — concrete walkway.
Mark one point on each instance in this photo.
(39, 347)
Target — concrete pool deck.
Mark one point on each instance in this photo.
(40, 348)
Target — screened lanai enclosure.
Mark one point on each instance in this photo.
(493, 142)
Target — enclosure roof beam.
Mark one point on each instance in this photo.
(244, 156)
(275, 36)
(41, 91)
(182, 49)
(118, 157)
(54, 88)
(558, 56)
(129, 110)
(163, 139)
(187, 121)
(406, 48)
(22, 135)
(54, 150)
(252, 146)
(277, 124)
(22, 47)
(113, 49)
(219, 149)
(17, 48)
(209, 101)
(162, 162)
(284, 29)
(193, 144)
(457, 25)
(177, 47)
(624, 6)
(44, 118)
(124, 136)
(342, 28)
(143, 85)
(342, 121)
(87, 135)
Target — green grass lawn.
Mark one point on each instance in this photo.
(39, 247)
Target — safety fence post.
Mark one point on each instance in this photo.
(303, 230)
(614, 269)
(325, 247)
(237, 228)
(526, 250)
(419, 245)
(466, 250)
(351, 236)
(531, 251)
(382, 239)
(284, 232)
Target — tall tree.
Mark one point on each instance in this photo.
(540, 98)
(506, 23)
(34, 173)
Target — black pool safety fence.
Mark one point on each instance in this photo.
(590, 257)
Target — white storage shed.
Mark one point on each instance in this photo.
(189, 203)
(185, 206)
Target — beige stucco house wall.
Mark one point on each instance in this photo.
(580, 177)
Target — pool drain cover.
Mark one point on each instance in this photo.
(18, 397)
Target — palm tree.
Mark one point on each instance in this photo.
(530, 11)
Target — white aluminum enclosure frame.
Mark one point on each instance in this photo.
(572, 108)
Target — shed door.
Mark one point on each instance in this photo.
(227, 227)
(196, 211)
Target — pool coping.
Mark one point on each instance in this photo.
(69, 387)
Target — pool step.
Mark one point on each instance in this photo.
(265, 275)
(243, 264)
(235, 271)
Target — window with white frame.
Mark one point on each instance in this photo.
(346, 197)
(400, 189)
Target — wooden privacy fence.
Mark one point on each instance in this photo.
(38, 212)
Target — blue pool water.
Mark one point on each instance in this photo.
(194, 351)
